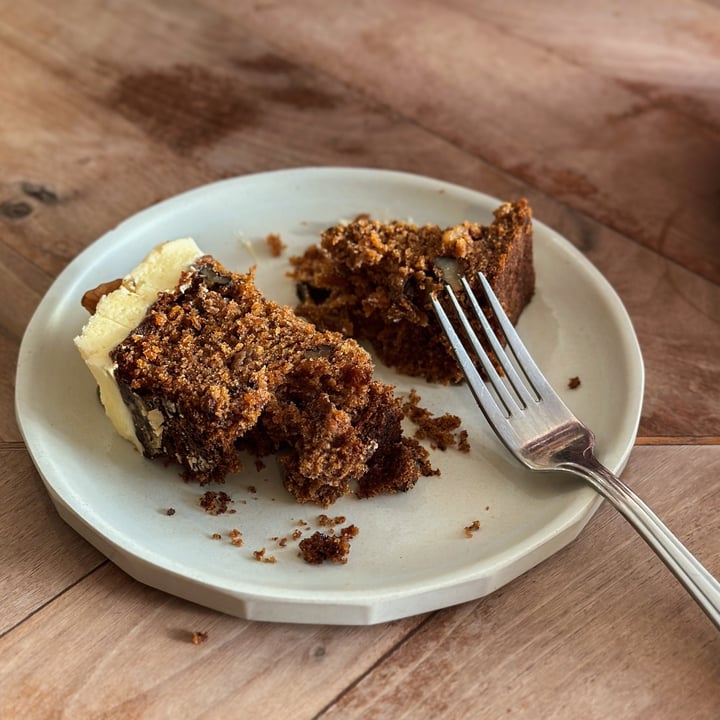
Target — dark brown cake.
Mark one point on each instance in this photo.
(320, 547)
(371, 280)
(220, 369)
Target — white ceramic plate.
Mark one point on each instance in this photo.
(412, 554)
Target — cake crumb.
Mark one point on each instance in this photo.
(440, 431)
(170, 511)
(236, 537)
(215, 503)
(276, 245)
(472, 528)
(260, 556)
(199, 637)
(463, 442)
(320, 547)
(574, 382)
(216, 536)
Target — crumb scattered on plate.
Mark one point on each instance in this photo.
(216, 503)
(261, 556)
(320, 547)
(327, 521)
(574, 382)
(472, 528)
(199, 637)
(276, 245)
(442, 431)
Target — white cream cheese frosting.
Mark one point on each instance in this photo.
(119, 312)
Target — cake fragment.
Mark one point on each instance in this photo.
(321, 547)
(372, 281)
(196, 366)
(199, 636)
(275, 244)
(441, 431)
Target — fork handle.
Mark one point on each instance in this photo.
(701, 585)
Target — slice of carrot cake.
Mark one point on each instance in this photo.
(371, 281)
(194, 365)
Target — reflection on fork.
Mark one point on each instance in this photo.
(540, 431)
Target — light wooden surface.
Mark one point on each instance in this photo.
(606, 116)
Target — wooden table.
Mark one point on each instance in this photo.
(606, 117)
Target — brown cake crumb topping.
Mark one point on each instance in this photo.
(574, 382)
(472, 528)
(321, 547)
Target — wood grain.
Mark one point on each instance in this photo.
(605, 116)
(286, 95)
(616, 637)
(538, 647)
(545, 117)
(115, 628)
(40, 556)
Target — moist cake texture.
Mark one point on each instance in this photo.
(371, 281)
(212, 368)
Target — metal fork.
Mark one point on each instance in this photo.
(541, 432)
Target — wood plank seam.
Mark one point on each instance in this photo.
(51, 600)
(378, 663)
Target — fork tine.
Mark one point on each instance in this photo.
(528, 366)
(508, 401)
(495, 414)
(515, 381)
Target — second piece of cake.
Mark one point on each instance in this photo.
(371, 280)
